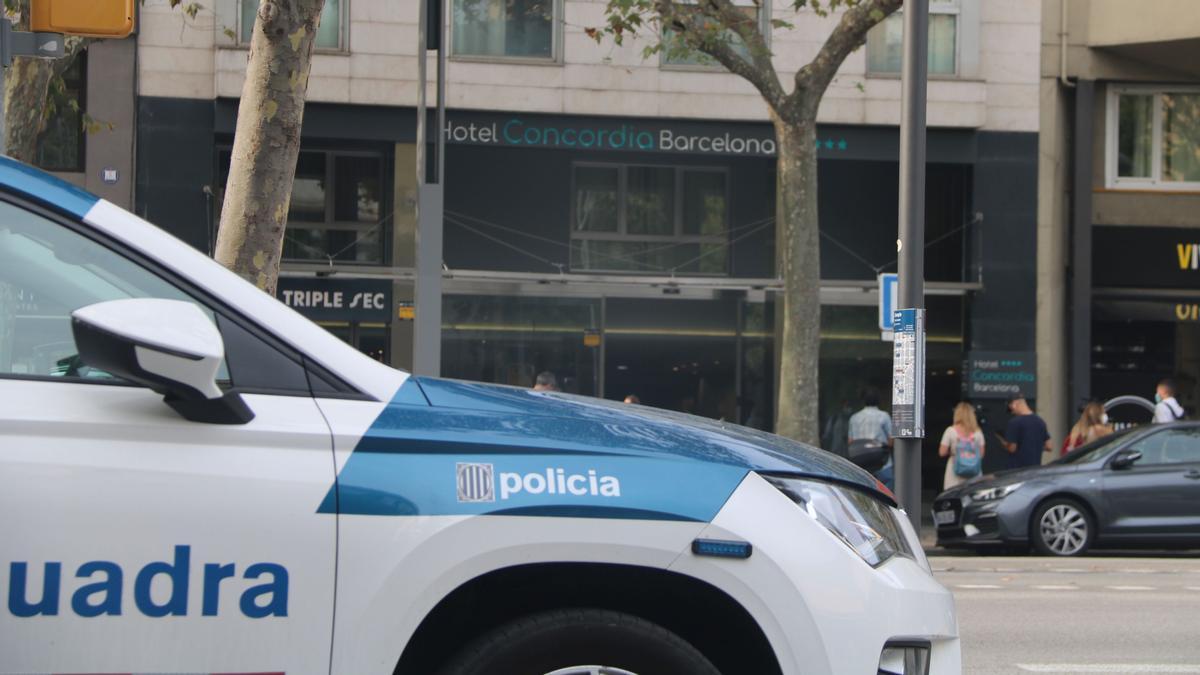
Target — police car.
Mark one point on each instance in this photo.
(196, 479)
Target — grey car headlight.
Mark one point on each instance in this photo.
(862, 522)
(991, 494)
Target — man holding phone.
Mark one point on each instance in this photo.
(1026, 437)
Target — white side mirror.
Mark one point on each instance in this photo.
(170, 346)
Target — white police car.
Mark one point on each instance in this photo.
(194, 478)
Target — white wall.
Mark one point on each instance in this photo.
(999, 49)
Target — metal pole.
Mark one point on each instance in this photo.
(427, 297)
(907, 457)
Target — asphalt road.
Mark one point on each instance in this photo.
(1087, 615)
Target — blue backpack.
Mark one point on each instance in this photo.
(968, 456)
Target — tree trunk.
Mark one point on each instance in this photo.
(267, 141)
(26, 85)
(798, 259)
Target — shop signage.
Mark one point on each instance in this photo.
(324, 299)
(1169, 311)
(604, 134)
(1187, 311)
(1000, 374)
(1146, 257)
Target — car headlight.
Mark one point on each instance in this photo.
(861, 521)
(991, 494)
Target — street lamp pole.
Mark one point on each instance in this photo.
(911, 244)
(427, 301)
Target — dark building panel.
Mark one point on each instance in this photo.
(1005, 191)
(175, 165)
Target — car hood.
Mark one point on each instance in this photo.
(1009, 476)
(554, 420)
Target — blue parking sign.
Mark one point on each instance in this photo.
(889, 292)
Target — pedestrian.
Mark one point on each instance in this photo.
(837, 429)
(1166, 408)
(1026, 437)
(545, 381)
(633, 399)
(1092, 424)
(872, 424)
(963, 446)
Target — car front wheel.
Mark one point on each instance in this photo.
(580, 642)
(1062, 527)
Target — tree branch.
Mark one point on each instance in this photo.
(696, 24)
(850, 34)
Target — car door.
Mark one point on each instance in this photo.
(136, 541)
(1156, 498)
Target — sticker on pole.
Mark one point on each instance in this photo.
(908, 373)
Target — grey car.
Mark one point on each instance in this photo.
(1140, 487)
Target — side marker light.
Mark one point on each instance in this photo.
(722, 549)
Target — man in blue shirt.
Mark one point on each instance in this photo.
(873, 424)
(1026, 436)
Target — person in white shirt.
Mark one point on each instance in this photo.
(1166, 408)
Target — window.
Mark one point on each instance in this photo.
(505, 29)
(48, 271)
(1152, 138)
(329, 33)
(1175, 446)
(675, 53)
(649, 219)
(337, 208)
(60, 146)
(885, 42)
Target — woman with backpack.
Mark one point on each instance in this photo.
(962, 443)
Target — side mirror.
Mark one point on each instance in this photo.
(1125, 458)
(169, 346)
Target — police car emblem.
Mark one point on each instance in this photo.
(476, 482)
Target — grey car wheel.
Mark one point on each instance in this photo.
(1062, 527)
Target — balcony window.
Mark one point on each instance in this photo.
(329, 33)
(60, 146)
(1152, 138)
(337, 209)
(504, 29)
(885, 42)
(675, 53)
(650, 219)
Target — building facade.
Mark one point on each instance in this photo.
(609, 217)
(1119, 193)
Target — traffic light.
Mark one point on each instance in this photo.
(90, 18)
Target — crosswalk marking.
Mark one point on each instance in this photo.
(1109, 667)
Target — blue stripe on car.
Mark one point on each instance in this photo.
(418, 459)
(442, 447)
(45, 188)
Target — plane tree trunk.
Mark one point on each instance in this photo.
(267, 140)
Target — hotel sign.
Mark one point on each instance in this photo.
(1000, 374)
(617, 134)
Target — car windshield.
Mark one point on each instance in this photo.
(1094, 450)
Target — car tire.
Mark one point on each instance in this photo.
(579, 642)
(1062, 527)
